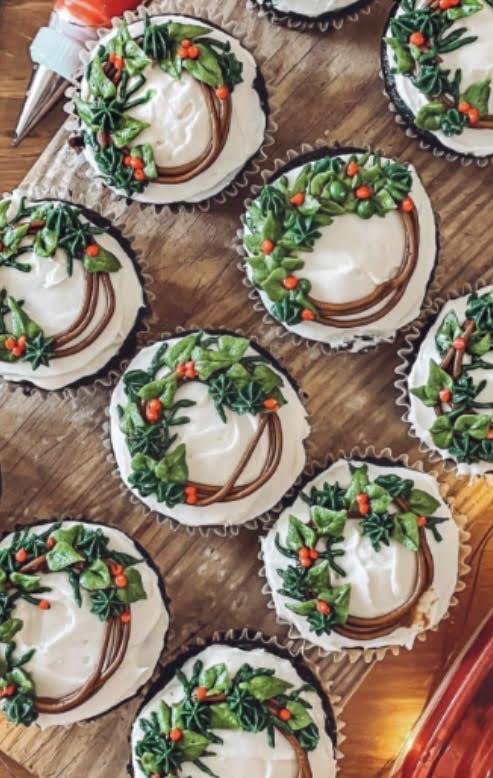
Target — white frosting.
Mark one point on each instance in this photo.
(476, 62)
(380, 580)
(420, 416)
(311, 8)
(68, 639)
(214, 449)
(54, 300)
(177, 104)
(352, 257)
(246, 754)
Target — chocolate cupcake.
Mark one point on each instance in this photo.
(449, 383)
(69, 292)
(341, 245)
(83, 621)
(367, 556)
(306, 14)
(171, 109)
(235, 710)
(206, 429)
(436, 60)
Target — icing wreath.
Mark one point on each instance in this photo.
(420, 36)
(110, 578)
(285, 221)
(44, 230)
(116, 74)
(463, 427)
(388, 508)
(235, 381)
(251, 699)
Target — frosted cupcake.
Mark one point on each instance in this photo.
(69, 293)
(437, 65)
(341, 246)
(450, 385)
(171, 109)
(83, 622)
(367, 556)
(235, 710)
(207, 429)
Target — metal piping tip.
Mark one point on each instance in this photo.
(46, 89)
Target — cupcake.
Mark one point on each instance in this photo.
(83, 622)
(69, 292)
(171, 109)
(450, 384)
(341, 246)
(307, 13)
(366, 556)
(436, 60)
(206, 429)
(235, 710)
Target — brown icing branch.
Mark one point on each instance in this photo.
(209, 494)
(358, 628)
(220, 120)
(386, 295)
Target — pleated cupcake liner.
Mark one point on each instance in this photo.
(215, 16)
(405, 118)
(135, 248)
(273, 326)
(266, 518)
(407, 355)
(332, 20)
(147, 558)
(371, 655)
(317, 673)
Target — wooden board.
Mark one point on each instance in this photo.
(51, 451)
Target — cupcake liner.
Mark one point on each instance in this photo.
(371, 655)
(106, 376)
(272, 328)
(267, 517)
(333, 20)
(407, 355)
(16, 525)
(319, 675)
(404, 117)
(214, 17)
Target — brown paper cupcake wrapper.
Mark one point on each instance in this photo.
(135, 247)
(265, 519)
(332, 694)
(370, 655)
(273, 327)
(215, 15)
(26, 743)
(334, 20)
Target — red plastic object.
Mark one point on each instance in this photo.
(93, 13)
(454, 736)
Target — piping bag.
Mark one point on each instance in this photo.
(55, 53)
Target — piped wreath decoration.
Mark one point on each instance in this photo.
(462, 426)
(286, 218)
(313, 549)
(46, 229)
(109, 577)
(251, 700)
(235, 381)
(116, 74)
(420, 35)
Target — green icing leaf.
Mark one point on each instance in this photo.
(380, 498)
(441, 432)
(105, 262)
(299, 534)
(63, 555)
(448, 330)
(302, 608)
(134, 591)
(172, 468)
(192, 745)
(9, 628)
(22, 681)
(28, 583)
(404, 60)
(215, 678)
(97, 576)
(164, 718)
(328, 522)
(68, 535)
(438, 379)
(338, 598)
(222, 717)
(181, 351)
(423, 503)
(475, 425)
(359, 482)
(318, 577)
(265, 687)
(127, 130)
(429, 117)
(99, 83)
(300, 718)
(479, 343)
(406, 530)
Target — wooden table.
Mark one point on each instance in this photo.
(50, 450)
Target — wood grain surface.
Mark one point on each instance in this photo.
(51, 452)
